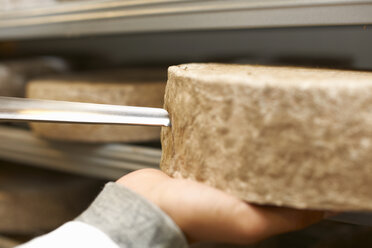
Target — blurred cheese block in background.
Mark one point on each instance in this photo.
(34, 201)
(8, 5)
(132, 87)
(14, 74)
(290, 137)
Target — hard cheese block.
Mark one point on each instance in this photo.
(143, 88)
(272, 135)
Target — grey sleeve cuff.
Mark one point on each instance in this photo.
(132, 221)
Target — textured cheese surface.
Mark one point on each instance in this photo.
(143, 88)
(272, 135)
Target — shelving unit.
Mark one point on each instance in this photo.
(82, 18)
(160, 18)
(106, 161)
(208, 25)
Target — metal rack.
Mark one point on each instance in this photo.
(83, 18)
(152, 17)
(107, 161)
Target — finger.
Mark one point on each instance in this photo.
(137, 177)
(267, 221)
(208, 214)
(145, 182)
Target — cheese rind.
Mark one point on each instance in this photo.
(282, 136)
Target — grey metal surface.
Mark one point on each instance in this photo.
(107, 161)
(22, 109)
(334, 47)
(115, 16)
(364, 219)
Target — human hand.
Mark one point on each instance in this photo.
(204, 213)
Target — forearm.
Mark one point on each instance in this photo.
(117, 218)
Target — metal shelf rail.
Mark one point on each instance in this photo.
(101, 17)
(108, 161)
